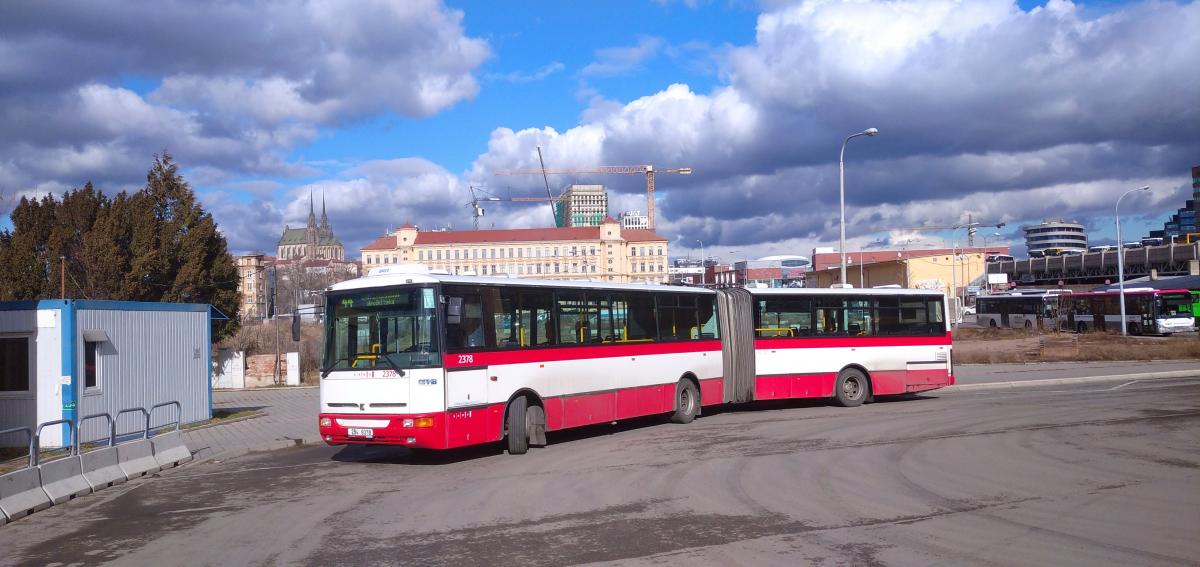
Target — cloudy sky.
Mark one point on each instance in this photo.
(1006, 111)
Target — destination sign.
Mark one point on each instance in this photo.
(377, 299)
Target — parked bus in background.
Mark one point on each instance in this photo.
(1147, 311)
(1029, 309)
(436, 361)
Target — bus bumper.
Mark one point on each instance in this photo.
(398, 429)
(458, 427)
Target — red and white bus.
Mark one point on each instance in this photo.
(438, 361)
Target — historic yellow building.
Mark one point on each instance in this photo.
(601, 253)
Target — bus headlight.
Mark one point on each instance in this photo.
(326, 422)
(407, 423)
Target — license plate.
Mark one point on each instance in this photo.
(357, 432)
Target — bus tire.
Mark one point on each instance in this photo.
(992, 323)
(687, 402)
(851, 388)
(1080, 328)
(1028, 325)
(1134, 329)
(518, 435)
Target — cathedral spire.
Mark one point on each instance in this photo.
(324, 217)
(312, 217)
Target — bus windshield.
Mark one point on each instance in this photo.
(1175, 305)
(382, 329)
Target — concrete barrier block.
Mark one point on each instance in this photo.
(21, 494)
(101, 468)
(62, 479)
(136, 458)
(170, 450)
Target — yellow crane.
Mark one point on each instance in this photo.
(648, 170)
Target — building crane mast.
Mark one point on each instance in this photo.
(648, 170)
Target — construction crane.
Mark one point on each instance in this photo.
(970, 225)
(478, 211)
(648, 170)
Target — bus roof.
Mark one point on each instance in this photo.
(842, 291)
(1131, 291)
(396, 279)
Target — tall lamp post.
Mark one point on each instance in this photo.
(703, 265)
(1121, 255)
(842, 195)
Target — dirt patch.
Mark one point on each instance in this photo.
(991, 346)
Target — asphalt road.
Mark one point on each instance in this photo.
(1091, 474)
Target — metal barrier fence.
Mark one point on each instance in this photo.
(39, 485)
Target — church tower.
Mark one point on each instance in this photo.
(312, 236)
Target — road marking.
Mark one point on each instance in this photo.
(1123, 385)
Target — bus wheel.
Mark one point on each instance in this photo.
(1134, 329)
(518, 436)
(992, 323)
(1080, 328)
(687, 402)
(1028, 325)
(851, 388)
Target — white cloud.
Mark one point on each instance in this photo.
(612, 61)
(530, 77)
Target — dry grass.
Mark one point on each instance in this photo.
(990, 346)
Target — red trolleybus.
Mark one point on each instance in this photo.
(438, 361)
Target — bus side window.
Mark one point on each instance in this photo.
(641, 323)
(468, 332)
(537, 317)
(830, 315)
(571, 318)
(506, 319)
(666, 304)
(708, 317)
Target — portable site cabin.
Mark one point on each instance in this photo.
(68, 359)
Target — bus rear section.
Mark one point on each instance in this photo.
(1147, 312)
(848, 345)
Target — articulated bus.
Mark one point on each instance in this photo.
(1024, 310)
(1147, 311)
(437, 361)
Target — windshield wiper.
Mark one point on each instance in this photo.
(325, 371)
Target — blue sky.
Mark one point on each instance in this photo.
(1003, 111)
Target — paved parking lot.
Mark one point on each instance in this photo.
(1089, 474)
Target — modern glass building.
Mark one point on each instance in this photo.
(1059, 234)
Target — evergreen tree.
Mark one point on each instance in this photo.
(157, 244)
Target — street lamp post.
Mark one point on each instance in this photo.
(703, 265)
(1121, 255)
(842, 195)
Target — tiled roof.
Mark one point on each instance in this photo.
(300, 236)
(579, 233)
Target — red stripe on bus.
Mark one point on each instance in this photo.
(554, 354)
(787, 386)
(839, 342)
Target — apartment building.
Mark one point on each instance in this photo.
(600, 253)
